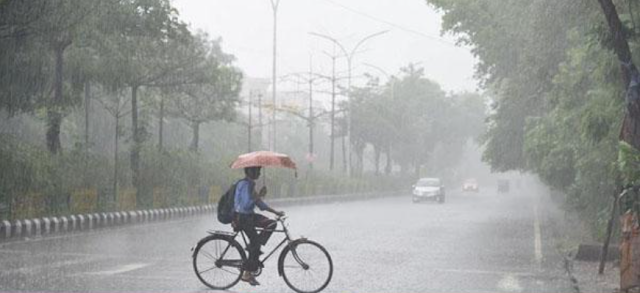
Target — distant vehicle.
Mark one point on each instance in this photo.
(428, 189)
(503, 186)
(470, 185)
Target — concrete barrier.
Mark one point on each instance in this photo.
(27, 227)
(5, 230)
(64, 224)
(36, 227)
(16, 229)
(55, 225)
(52, 225)
(46, 226)
(73, 223)
(82, 223)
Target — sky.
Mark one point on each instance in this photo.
(246, 30)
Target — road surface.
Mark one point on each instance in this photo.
(481, 242)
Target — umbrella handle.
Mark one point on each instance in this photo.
(264, 177)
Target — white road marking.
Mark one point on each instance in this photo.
(120, 270)
(483, 272)
(537, 239)
(49, 266)
(112, 256)
(509, 283)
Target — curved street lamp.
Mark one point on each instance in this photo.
(349, 55)
(274, 7)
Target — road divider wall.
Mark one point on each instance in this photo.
(29, 228)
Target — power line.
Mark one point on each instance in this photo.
(400, 27)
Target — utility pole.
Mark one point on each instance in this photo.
(274, 7)
(250, 125)
(311, 121)
(333, 111)
(260, 118)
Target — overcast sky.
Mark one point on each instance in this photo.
(245, 27)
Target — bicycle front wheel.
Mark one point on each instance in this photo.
(306, 267)
(218, 261)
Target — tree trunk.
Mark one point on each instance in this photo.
(115, 160)
(376, 151)
(311, 121)
(387, 167)
(195, 127)
(54, 111)
(87, 108)
(137, 140)
(344, 155)
(609, 231)
(630, 130)
(620, 43)
(360, 162)
(161, 123)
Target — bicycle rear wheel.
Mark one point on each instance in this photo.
(306, 267)
(217, 262)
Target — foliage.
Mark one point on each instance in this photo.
(411, 115)
(554, 82)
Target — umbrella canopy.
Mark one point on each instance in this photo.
(263, 159)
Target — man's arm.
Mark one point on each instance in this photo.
(265, 207)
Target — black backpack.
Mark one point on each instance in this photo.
(226, 205)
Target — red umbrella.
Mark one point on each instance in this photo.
(263, 159)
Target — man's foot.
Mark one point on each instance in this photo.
(249, 278)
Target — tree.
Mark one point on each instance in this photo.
(37, 37)
(115, 104)
(515, 61)
(23, 80)
(151, 48)
(213, 99)
(550, 70)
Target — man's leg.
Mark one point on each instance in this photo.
(247, 225)
(266, 223)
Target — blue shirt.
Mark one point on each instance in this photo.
(244, 202)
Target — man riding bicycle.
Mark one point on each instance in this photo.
(246, 199)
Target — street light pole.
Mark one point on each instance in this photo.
(311, 118)
(274, 7)
(349, 55)
(250, 124)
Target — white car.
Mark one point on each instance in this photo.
(470, 185)
(428, 189)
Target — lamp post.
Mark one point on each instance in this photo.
(274, 7)
(349, 55)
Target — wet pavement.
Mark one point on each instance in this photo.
(475, 242)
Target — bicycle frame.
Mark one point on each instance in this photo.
(287, 239)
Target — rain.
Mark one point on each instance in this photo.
(319, 146)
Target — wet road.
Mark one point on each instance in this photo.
(473, 243)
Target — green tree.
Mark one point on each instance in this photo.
(213, 99)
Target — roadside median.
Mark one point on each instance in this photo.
(86, 222)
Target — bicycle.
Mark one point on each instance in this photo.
(300, 263)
